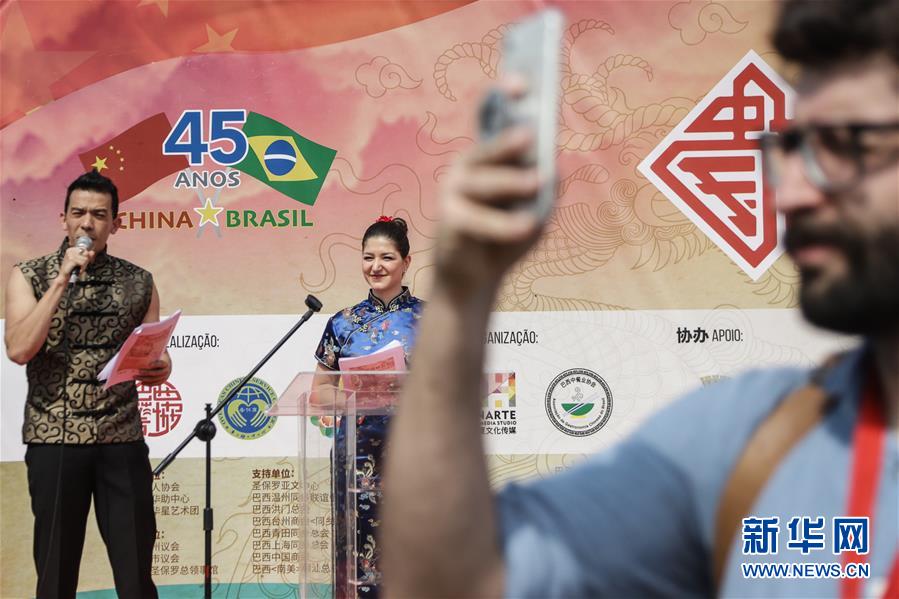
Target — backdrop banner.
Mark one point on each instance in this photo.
(253, 142)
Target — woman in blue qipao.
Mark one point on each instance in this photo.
(389, 313)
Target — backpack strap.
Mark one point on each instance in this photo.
(790, 421)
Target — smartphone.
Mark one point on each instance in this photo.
(531, 50)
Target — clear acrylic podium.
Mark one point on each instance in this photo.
(335, 479)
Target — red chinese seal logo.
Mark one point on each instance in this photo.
(160, 408)
(710, 165)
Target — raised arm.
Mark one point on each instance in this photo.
(439, 536)
(27, 318)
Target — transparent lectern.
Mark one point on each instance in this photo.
(342, 419)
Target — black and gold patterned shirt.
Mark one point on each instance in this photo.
(63, 391)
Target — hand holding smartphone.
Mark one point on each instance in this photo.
(531, 51)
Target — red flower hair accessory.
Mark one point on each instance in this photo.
(384, 219)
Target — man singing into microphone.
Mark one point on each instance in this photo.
(67, 314)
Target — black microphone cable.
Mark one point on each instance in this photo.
(63, 395)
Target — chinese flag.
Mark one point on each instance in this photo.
(134, 159)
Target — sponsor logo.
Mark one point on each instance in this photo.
(709, 166)
(160, 408)
(579, 402)
(245, 416)
(498, 412)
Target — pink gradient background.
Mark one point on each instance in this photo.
(394, 139)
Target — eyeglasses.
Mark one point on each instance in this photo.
(835, 156)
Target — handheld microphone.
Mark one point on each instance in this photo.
(85, 243)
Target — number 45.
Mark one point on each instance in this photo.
(187, 137)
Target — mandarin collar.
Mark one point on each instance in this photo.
(393, 304)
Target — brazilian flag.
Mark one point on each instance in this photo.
(284, 159)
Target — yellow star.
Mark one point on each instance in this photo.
(209, 213)
(99, 164)
(162, 4)
(217, 43)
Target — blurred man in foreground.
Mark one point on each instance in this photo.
(662, 513)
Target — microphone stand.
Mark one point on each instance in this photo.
(205, 430)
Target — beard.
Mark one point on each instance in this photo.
(865, 298)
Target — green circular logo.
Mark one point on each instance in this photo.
(579, 402)
(245, 415)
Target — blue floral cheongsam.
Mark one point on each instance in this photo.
(357, 331)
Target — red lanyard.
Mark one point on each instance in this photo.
(867, 458)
